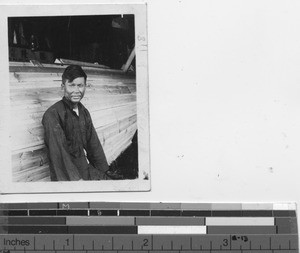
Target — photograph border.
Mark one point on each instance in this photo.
(143, 182)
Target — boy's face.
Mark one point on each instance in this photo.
(74, 91)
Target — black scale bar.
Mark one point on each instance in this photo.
(134, 213)
(103, 212)
(107, 212)
(53, 229)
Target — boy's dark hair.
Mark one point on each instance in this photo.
(72, 72)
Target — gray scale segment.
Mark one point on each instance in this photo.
(73, 205)
(134, 205)
(227, 251)
(72, 251)
(285, 251)
(241, 229)
(165, 251)
(100, 251)
(286, 225)
(193, 251)
(158, 251)
(165, 206)
(10, 206)
(129, 251)
(104, 205)
(3, 220)
(257, 251)
(42, 206)
(30, 251)
(3, 230)
(179, 221)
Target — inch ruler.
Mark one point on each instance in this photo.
(110, 227)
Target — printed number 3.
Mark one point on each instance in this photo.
(225, 242)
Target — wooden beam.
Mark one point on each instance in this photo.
(81, 63)
(129, 61)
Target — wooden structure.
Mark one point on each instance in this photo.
(110, 97)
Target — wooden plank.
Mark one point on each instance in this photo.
(31, 174)
(117, 138)
(57, 68)
(110, 98)
(99, 100)
(36, 133)
(113, 74)
(81, 63)
(31, 133)
(129, 61)
(26, 163)
(45, 179)
(42, 106)
(30, 116)
(123, 141)
(28, 133)
(120, 142)
(114, 129)
(21, 77)
(25, 141)
(30, 122)
(57, 84)
(43, 78)
(91, 92)
(20, 155)
(28, 147)
(127, 108)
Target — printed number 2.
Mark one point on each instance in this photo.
(145, 243)
(225, 242)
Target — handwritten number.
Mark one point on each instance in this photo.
(141, 38)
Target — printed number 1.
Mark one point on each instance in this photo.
(67, 240)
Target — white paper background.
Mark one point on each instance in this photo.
(224, 79)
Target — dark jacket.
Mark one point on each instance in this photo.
(67, 135)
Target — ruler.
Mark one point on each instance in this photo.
(113, 227)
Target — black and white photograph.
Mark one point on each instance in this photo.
(77, 100)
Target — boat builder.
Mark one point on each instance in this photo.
(74, 150)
